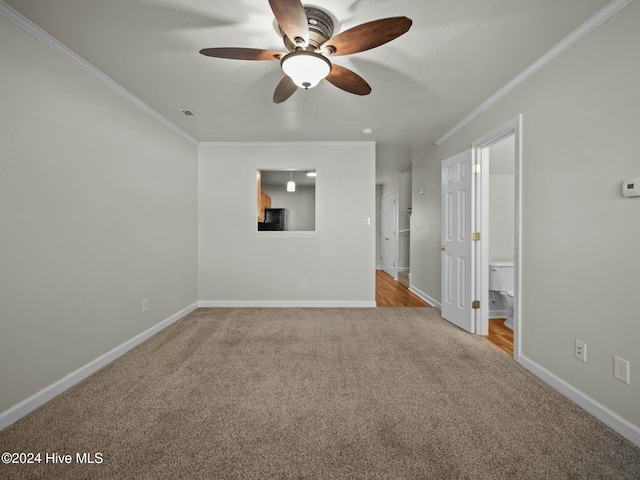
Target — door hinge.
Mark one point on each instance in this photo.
(476, 168)
(475, 236)
(475, 304)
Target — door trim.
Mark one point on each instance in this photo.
(480, 147)
(391, 268)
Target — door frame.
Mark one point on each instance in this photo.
(394, 209)
(480, 147)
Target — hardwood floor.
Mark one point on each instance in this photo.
(390, 293)
(500, 336)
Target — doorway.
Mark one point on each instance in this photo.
(465, 234)
(509, 136)
(388, 250)
(501, 239)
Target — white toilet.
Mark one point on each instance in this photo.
(501, 280)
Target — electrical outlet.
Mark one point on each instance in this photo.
(581, 350)
(304, 282)
(621, 369)
(145, 304)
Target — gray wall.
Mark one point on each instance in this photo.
(97, 211)
(237, 266)
(580, 257)
(502, 199)
(501, 216)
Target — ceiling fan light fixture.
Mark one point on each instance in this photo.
(306, 69)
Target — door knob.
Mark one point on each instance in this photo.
(442, 247)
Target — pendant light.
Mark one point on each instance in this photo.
(291, 185)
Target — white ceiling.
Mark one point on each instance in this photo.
(456, 55)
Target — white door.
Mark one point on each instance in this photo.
(457, 252)
(388, 234)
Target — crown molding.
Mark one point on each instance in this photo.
(32, 29)
(594, 22)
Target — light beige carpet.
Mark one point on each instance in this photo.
(388, 393)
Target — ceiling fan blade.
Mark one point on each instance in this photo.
(242, 53)
(284, 90)
(367, 36)
(292, 19)
(348, 80)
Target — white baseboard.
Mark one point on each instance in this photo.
(285, 304)
(497, 313)
(425, 297)
(28, 405)
(393, 271)
(614, 421)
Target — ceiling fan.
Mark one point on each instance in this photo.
(308, 36)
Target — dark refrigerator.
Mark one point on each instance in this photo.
(275, 220)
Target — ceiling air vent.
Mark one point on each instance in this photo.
(189, 114)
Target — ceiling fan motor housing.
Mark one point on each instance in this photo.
(320, 28)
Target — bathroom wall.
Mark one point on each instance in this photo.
(502, 200)
(501, 217)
